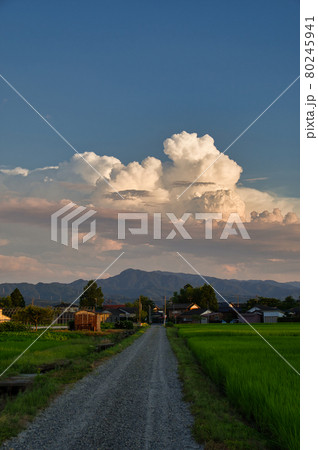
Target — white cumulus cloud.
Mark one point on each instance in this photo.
(152, 185)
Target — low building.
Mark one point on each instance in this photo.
(198, 315)
(4, 318)
(90, 320)
(157, 317)
(179, 308)
(211, 317)
(120, 312)
(269, 313)
(229, 311)
(250, 317)
(112, 306)
(293, 312)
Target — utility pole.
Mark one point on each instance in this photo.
(165, 313)
(140, 306)
(149, 315)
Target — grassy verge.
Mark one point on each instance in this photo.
(17, 412)
(217, 424)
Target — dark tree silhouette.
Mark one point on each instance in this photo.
(92, 296)
(17, 298)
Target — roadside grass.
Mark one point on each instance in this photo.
(256, 381)
(217, 424)
(18, 411)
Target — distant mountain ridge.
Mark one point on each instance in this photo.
(131, 283)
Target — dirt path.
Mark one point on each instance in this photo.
(132, 401)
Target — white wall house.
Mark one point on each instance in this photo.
(270, 315)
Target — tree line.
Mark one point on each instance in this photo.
(14, 300)
(284, 305)
(93, 297)
(204, 296)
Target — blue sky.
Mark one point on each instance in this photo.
(118, 78)
(150, 82)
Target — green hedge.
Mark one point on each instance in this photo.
(13, 326)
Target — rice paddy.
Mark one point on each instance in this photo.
(261, 385)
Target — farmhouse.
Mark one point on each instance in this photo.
(211, 316)
(293, 312)
(119, 312)
(190, 316)
(269, 314)
(228, 312)
(198, 315)
(180, 308)
(4, 318)
(251, 317)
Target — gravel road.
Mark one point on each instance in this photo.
(132, 401)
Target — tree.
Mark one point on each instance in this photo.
(34, 315)
(208, 298)
(5, 302)
(92, 296)
(266, 301)
(289, 303)
(17, 298)
(203, 296)
(145, 303)
(184, 296)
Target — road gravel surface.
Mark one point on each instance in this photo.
(132, 401)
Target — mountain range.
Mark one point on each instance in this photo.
(131, 283)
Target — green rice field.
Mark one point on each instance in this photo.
(77, 348)
(48, 348)
(255, 379)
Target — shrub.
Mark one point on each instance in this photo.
(124, 324)
(71, 325)
(107, 326)
(13, 326)
(289, 319)
(48, 336)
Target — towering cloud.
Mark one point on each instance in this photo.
(151, 185)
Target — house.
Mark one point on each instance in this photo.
(198, 315)
(157, 317)
(175, 309)
(120, 312)
(189, 316)
(3, 318)
(269, 313)
(211, 316)
(229, 312)
(111, 306)
(293, 312)
(251, 317)
(90, 320)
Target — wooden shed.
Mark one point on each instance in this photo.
(87, 320)
(90, 320)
